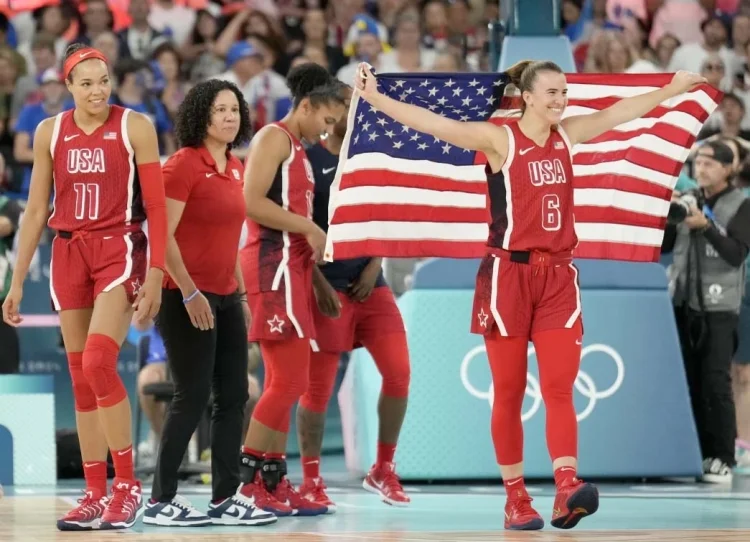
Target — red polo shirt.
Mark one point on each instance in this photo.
(209, 230)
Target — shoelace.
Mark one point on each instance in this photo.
(262, 496)
(523, 506)
(243, 500)
(181, 502)
(392, 482)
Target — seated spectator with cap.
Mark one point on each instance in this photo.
(52, 102)
(244, 62)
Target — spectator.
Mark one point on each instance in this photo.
(200, 47)
(132, 92)
(97, 18)
(8, 77)
(728, 123)
(692, 54)
(368, 49)
(173, 87)
(10, 215)
(664, 50)
(243, 62)
(54, 20)
(172, 20)
(109, 44)
(137, 41)
(315, 44)
(269, 97)
(44, 58)
(434, 24)
(53, 94)
(408, 55)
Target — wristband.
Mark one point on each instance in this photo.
(192, 296)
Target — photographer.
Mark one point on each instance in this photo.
(709, 236)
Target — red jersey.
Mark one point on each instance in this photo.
(209, 230)
(96, 185)
(531, 197)
(269, 252)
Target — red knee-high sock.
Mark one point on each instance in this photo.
(288, 362)
(508, 361)
(558, 353)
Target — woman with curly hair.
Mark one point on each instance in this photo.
(204, 314)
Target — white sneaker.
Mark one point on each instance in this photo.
(715, 471)
(239, 510)
(178, 512)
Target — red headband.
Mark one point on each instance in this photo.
(79, 56)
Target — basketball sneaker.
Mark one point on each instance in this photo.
(575, 499)
(520, 515)
(715, 471)
(239, 510)
(125, 505)
(286, 494)
(179, 512)
(86, 516)
(257, 492)
(314, 490)
(383, 480)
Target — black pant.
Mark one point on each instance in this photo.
(708, 342)
(10, 356)
(203, 363)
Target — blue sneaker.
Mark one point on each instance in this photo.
(239, 510)
(176, 513)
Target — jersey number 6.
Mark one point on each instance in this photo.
(87, 201)
(551, 217)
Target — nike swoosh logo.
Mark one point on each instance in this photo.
(513, 483)
(297, 147)
(524, 151)
(84, 55)
(326, 171)
(124, 452)
(210, 175)
(68, 138)
(579, 342)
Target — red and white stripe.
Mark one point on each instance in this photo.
(128, 270)
(623, 182)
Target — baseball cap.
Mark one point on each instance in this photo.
(50, 75)
(718, 151)
(240, 50)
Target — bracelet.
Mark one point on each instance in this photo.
(192, 296)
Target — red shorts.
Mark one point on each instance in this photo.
(287, 311)
(83, 267)
(522, 299)
(359, 323)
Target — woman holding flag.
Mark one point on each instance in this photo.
(527, 286)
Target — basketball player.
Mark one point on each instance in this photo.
(370, 318)
(104, 164)
(278, 264)
(527, 285)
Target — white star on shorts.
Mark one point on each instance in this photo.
(276, 324)
(483, 317)
(136, 285)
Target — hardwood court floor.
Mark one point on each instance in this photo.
(628, 513)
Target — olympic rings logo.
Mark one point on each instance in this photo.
(583, 383)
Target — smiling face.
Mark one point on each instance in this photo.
(548, 96)
(90, 85)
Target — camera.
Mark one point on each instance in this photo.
(680, 209)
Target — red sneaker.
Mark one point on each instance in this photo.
(286, 493)
(86, 516)
(520, 515)
(383, 480)
(124, 507)
(263, 499)
(574, 501)
(314, 490)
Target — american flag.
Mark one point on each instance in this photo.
(401, 193)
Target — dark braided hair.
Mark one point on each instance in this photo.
(194, 114)
(313, 82)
